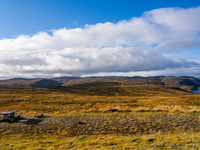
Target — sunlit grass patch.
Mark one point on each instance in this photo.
(111, 141)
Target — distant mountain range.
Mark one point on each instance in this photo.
(187, 83)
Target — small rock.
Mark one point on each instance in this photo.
(39, 116)
(81, 122)
(173, 145)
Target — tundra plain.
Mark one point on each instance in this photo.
(101, 115)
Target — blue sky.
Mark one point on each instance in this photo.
(31, 16)
(49, 38)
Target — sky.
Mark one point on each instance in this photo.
(54, 38)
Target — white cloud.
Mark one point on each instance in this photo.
(176, 19)
(135, 45)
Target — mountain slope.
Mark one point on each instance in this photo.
(184, 82)
(31, 82)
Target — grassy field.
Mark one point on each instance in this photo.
(101, 116)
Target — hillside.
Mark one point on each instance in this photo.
(184, 82)
(30, 82)
(117, 89)
(77, 97)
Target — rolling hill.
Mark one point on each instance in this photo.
(187, 83)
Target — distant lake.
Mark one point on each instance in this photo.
(197, 91)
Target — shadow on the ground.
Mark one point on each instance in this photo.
(33, 121)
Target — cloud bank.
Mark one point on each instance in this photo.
(139, 46)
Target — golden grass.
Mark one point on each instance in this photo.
(115, 117)
(183, 141)
(105, 123)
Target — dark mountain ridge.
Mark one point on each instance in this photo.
(183, 82)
